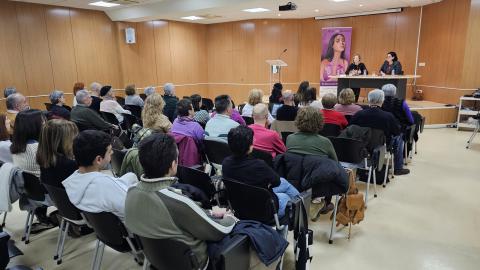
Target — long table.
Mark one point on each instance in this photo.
(371, 81)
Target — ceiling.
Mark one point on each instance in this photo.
(231, 10)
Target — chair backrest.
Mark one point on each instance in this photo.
(236, 255)
(410, 133)
(283, 126)
(33, 188)
(135, 110)
(4, 256)
(248, 120)
(330, 130)
(349, 150)
(120, 100)
(285, 134)
(216, 151)
(377, 138)
(62, 202)
(258, 205)
(265, 156)
(109, 229)
(207, 104)
(117, 159)
(143, 96)
(67, 107)
(197, 179)
(110, 118)
(48, 106)
(240, 107)
(169, 254)
(129, 120)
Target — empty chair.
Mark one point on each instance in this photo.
(169, 254)
(135, 110)
(111, 231)
(216, 151)
(197, 179)
(117, 159)
(265, 156)
(330, 130)
(35, 192)
(68, 213)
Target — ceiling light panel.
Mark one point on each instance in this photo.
(103, 4)
(256, 10)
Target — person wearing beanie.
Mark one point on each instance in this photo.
(110, 104)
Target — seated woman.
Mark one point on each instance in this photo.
(184, 124)
(391, 66)
(331, 116)
(5, 154)
(346, 105)
(307, 141)
(254, 97)
(398, 107)
(57, 110)
(55, 152)
(201, 116)
(276, 98)
(131, 97)
(110, 104)
(241, 167)
(152, 114)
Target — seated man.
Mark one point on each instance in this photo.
(16, 103)
(330, 116)
(398, 107)
(255, 172)
(85, 117)
(170, 101)
(375, 117)
(89, 189)
(265, 139)
(221, 123)
(288, 111)
(155, 211)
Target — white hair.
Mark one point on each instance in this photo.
(376, 97)
(95, 87)
(55, 96)
(169, 89)
(317, 104)
(149, 90)
(389, 90)
(81, 95)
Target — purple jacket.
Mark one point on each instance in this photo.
(236, 117)
(188, 154)
(188, 127)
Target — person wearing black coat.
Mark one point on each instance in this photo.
(356, 68)
(391, 66)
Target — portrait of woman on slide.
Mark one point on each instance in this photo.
(334, 61)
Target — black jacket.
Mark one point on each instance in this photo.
(59, 111)
(325, 176)
(170, 109)
(95, 104)
(375, 117)
(387, 69)
(360, 66)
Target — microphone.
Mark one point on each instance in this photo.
(281, 53)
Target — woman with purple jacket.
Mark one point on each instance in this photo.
(184, 124)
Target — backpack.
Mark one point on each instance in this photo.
(351, 206)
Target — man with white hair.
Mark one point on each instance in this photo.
(8, 91)
(149, 90)
(95, 88)
(375, 117)
(170, 101)
(86, 118)
(16, 103)
(263, 138)
(288, 111)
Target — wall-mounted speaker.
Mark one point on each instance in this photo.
(130, 35)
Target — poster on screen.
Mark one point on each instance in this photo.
(336, 44)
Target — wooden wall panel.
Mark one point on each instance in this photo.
(163, 55)
(12, 72)
(35, 48)
(471, 72)
(61, 46)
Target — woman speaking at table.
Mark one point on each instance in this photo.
(391, 66)
(356, 68)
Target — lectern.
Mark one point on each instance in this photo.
(275, 70)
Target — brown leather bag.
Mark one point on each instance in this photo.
(351, 206)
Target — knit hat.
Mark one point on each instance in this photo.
(104, 91)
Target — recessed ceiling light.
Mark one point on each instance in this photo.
(193, 18)
(255, 10)
(316, 10)
(104, 4)
(361, 5)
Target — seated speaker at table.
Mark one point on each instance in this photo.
(356, 68)
(391, 66)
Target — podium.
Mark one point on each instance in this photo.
(275, 70)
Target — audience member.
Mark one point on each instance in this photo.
(15, 104)
(55, 152)
(346, 100)
(28, 125)
(152, 114)
(95, 89)
(5, 143)
(265, 139)
(86, 118)
(398, 107)
(254, 97)
(156, 211)
(8, 91)
(185, 124)
(131, 97)
(307, 141)
(57, 110)
(220, 124)
(170, 101)
(241, 167)
(201, 116)
(89, 189)
(77, 87)
(301, 92)
(149, 90)
(288, 111)
(375, 117)
(309, 96)
(276, 96)
(331, 116)
(110, 104)
(317, 104)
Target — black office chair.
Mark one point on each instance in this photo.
(117, 159)
(110, 118)
(169, 254)
(216, 151)
(248, 120)
(240, 108)
(207, 104)
(135, 110)
(143, 96)
(265, 156)
(48, 106)
(111, 231)
(120, 100)
(197, 179)
(330, 130)
(68, 213)
(36, 192)
(285, 134)
(8, 250)
(128, 121)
